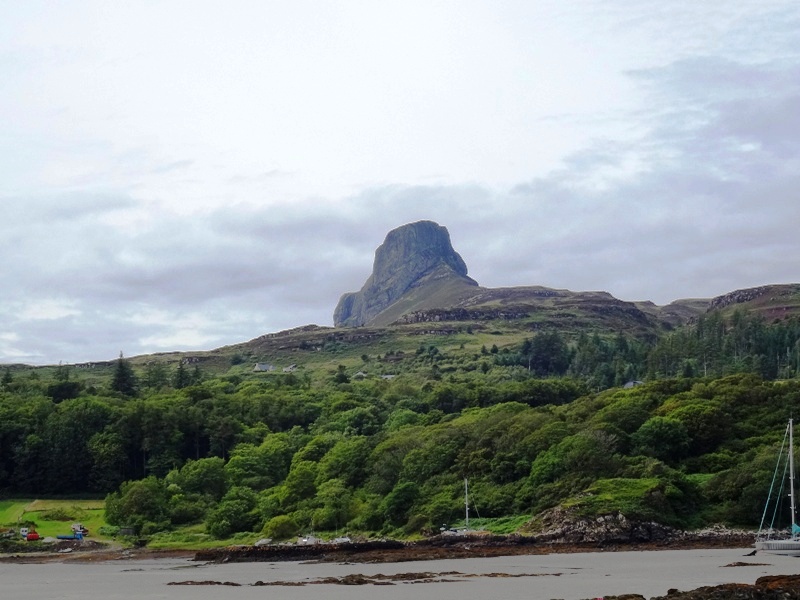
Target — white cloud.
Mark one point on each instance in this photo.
(48, 309)
(174, 174)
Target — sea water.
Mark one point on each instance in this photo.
(566, 576)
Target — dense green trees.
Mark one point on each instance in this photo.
(714, 347)
(392, 456)
(662, 438)
(541, 427)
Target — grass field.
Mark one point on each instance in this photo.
(10, 511)
(54, 517)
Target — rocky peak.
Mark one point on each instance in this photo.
(738, 297)
(411, 256)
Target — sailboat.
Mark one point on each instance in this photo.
(767, 539)
(466, 504)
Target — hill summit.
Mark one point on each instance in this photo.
(415, 267)
(418, 277)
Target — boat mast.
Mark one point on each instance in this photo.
(466, 504)
(791, 477)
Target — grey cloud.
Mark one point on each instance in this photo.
(699, 214)
(702, 217)
(245, 273)
(45, 211)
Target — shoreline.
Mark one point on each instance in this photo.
(642, 571)
(438, 548)
(387, 551)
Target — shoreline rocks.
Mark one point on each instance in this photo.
(780, 587)
(576, 538)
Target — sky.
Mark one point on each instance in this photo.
(181, 175)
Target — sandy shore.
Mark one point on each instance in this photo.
(94, 553)
(707, 574)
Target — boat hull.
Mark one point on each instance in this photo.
(783, 547)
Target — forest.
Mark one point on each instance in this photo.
(682, 430)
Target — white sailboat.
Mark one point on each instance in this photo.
(444, 529)
(466, 504)
(767, 539)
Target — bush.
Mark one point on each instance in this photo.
(109, 531)
(398, 502)
(138, 503)
(58, 514)
(236, 512)
(281, 527)
(185, 509)
(149, 528)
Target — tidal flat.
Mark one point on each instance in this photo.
(565, 576)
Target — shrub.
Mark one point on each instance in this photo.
(281, 527)
(58, 514)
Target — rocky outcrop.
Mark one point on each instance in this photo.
(783, 297)
(413, 256)
(565, 526)
(418, 277)
(738, 297)
(772, 587)
(462, 314)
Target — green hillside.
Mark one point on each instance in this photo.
(577, 403)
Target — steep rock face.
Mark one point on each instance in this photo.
(416, 255)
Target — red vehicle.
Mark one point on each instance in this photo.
(32, 536)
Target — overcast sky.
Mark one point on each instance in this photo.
(182, 175)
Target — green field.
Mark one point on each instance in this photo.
(54, 517)
(50, 517)
(10, 511)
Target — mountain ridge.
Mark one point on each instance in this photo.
(418, 274)
(434, 296)
(412, 256)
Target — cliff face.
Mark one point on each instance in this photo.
(413, 257)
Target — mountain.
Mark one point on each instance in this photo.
(419, 294)
(415, 268)
(418, 277)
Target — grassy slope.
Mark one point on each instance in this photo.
(88, 512)
(771, 301)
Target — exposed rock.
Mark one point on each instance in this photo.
(563, 526)
(738, 297)
(205, 582)
(781, 587)
(560, 525)
(461, 314)
(414, 255)
(418, 277)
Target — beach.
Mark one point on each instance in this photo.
(568, 576)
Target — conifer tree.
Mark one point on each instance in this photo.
(124, 380)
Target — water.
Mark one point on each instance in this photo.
(565, 576)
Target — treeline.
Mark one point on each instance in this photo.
(531, 428)
(274, 455)
(714, 347)
(92, 442)
(710, 347)
(392, 460)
